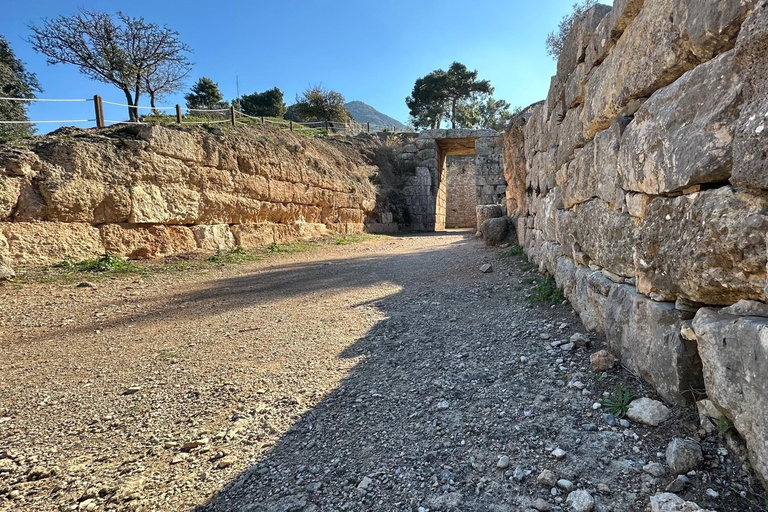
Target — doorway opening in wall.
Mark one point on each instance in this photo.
(456, 193)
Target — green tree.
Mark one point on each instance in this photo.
(440, 94)
(15, 82)
(121, 51)
(428, 100)
(320, 104)
(556, 38)
(205, 94)
(268, 103)
(484, 112)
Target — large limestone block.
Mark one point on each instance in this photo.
(34, 243)
(578, 179)
(570, 136)
(682, 135)
(590, 298)
(707, 247)
(579, 37)
(514, 169)
(170, 204)
(227, 208)
(608, 237)
(622, 15)
(647, 57)
(143, 242)
(646, 336)
(710, 27)
(565, 276)
(485, 212)
(750, 168)
(216, 237)
(253, 236)
(734, 353)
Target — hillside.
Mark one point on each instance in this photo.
(364, 113)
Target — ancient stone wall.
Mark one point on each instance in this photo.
(640, 184)
(461, 200)
(147, 191)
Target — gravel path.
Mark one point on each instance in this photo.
(387, 375)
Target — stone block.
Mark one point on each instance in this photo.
(216, 237)
(710, 27)
(142, 242)
(682, 135)
(253, 236)
(170, 204)
(590, 298)
(734, 354)
(707, 247)
(35, 243)
(608, 237)
(645, 334)
(750, 168)
(648, 56)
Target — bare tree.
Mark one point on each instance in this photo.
(167, 78)
(121, 51)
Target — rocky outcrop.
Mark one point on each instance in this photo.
(147, 191)
(640, 184)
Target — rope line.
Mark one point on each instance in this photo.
(37, 122)
(135, 106)
(205, 122)
(207, 110)
(41, 99)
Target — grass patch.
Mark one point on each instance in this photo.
(291, 248)
(618, 403)
(236, 255)
(546, 292)
(513, 252)
(352, 239)
(107, 263)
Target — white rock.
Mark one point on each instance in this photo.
(648, 412)
(580, 501)
(558, 453)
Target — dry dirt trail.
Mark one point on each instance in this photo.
(387, 375)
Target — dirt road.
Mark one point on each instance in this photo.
(387, 375)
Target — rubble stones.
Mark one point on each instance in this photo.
(648, 411)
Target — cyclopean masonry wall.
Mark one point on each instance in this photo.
(640, 184)
(147, 191)
(426, 191)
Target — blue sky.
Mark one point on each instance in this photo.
(371, 51)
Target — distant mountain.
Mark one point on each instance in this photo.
(363, 113)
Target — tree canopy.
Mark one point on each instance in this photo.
(15, 82)
(440, 95)
(319, 104)
(556, 38)
(127, 52)
(484, 112)
(268, 103)
(205, 94)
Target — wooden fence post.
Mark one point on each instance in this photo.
(262, 120)
(232, 114)
(326, 128)
(99, 109)
(369, 127)
(291, 125)
(178, 114)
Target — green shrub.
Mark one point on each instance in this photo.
(547, 292)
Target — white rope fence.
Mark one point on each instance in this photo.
(191, 116)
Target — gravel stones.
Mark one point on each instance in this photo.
(503, 462)
(648, 411)
(683, 455)
(486, 269)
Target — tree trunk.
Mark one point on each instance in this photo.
(136, 102)
(129, 99)
(453, 113)
(152, 103)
